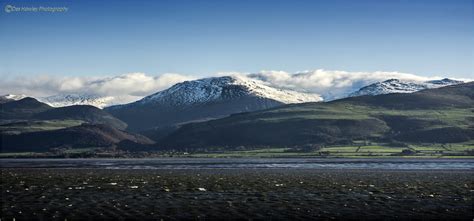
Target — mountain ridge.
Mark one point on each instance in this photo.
(399, 86)
(31, 109)
(62, 100)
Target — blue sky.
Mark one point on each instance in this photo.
(425, 37)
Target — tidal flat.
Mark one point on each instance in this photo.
(235, 194)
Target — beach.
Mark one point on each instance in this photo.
(235, 194)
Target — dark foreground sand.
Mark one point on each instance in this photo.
(283, 194)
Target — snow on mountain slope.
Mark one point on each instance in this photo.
(12, 97)
(398, 86)
(224, 88)
(62, 100)
(203, 99)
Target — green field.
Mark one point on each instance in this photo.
(463, 150)
(375, 151)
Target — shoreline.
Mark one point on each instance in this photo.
(247, 157)
(242, 163)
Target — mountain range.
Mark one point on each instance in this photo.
(101, 101)
(441, 115)
(233, 111)
(63, 100)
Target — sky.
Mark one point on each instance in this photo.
(201, 38)
(133, 48)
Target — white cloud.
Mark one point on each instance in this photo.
(130, 86)
(135, 84)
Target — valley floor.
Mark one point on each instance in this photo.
(459, 150)
(356, 151)
(278, 194)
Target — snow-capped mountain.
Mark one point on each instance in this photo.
(11, 97)
(398, 86)
(185, 93)
(224, 88)
(207, 98)
(63, 100)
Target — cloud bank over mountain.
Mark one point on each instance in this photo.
(330, 84)
(131, 86)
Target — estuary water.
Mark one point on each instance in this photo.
(243, 163)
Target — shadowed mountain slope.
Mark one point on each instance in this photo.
(436, 115)
(21, 109)
(82, 136)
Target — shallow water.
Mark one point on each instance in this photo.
(243, 163)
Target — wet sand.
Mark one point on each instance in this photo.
(235, 194)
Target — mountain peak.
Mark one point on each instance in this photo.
(204, 99)
(399, 86)
(224, 88)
